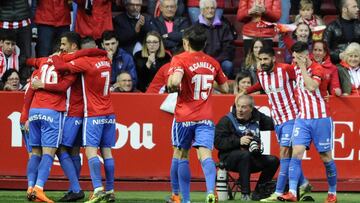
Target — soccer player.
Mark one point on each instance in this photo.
(193, 76)
(45, 123)
(314, 123)
(99, 118)
(69, 151)
(276, 79)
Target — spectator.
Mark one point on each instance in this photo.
(170, 26)
(252, 13)
(93, 18)
(349, 70)
(306, 15)
(320, 55)
(344, 30)
(131, 26)
(237, 135)
(301, 33)
(153, 8)
(150, 59)
(50, 24)
(251, 60)
(194, 9)
(9, 53)
(11, 80)
(15, 18)
(124, 83)
(295, 4)
(243, 80)
(158, 84)
(219, 36)
(121, 60)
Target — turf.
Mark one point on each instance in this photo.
(159, 197)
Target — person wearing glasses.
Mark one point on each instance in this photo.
(170, 26)
(149, 60)
(11, 81)
(131, 26)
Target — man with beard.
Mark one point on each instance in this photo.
(276, 79)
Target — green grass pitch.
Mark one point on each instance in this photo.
(10, 196)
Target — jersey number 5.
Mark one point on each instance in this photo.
(203, 85)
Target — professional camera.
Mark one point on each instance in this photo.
(255, 145)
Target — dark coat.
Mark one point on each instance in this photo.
(145, 75)
(14, 10)
(226, 138)
(219, 42)
(124, 27)
(333, 36)
(173, 42)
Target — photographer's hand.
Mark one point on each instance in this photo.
(245, 140)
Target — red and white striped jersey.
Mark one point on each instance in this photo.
(278, 85)
(312, 104)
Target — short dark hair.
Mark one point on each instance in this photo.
(196, 34)
(243, 74)
(299, 47)
(9, 36)
(72, 37)
(267, 50)
(108, 35)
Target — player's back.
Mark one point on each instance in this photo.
(46, 99)
(200, 72)
(75, 101)
(96, 83)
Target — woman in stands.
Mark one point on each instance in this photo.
(11, 80)
(349, 70)
(243, 80)
(251, 59)
(149, 60)
(320, 54)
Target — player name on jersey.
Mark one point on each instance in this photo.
(102, 63)
(202, 64)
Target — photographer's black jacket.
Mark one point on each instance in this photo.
(226, 138)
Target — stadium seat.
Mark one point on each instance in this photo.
(328, 7)
(329, 18)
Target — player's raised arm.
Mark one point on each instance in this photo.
(62, 86)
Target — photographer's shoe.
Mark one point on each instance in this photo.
(72, 196)
(245, 197)
(273, 198)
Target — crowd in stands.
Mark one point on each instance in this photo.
(141, 36)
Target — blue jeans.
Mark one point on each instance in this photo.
(47, 36)
(285, 18)
(227, 67)
(194, 13)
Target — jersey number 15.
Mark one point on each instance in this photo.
(203, 86)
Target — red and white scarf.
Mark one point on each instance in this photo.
(11, 62)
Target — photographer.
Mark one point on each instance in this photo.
(237, 137)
